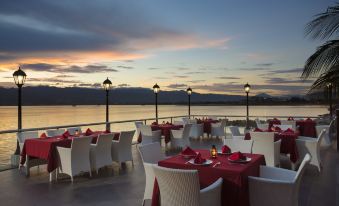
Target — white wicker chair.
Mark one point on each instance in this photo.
(21, 137)
(312, 146)
(54, 132)
(150, 154)
(244, 146)
(262, 126)
(276, 186)
(182, 188)
(122, 149)
(197, 131)
(76, 159)
(284, 126)
(149, 136)
(192, 121)
(263, 143)
(176, 122)
(72, 130)
(100, 153)
(326, 141)
(185, 120)
(180, 138)
(236, 133)
(138, 124)
(218, 129)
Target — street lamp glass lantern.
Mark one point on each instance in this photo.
(19, 77)
(189, 91)
(107, 84)
(247, 88)
(156, 88)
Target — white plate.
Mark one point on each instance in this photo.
(207, 162)
(248, 159)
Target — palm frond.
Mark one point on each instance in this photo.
(330, 77)
(326, 57)
(325, 24)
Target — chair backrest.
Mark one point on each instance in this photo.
(283, 126)
(235, 130)
(150, 177)
(262, 126)
(72, 130)
(187, 130)
(257, 121)
(22, 136)
(104, 142)
(298, 176)
(185, 120)
(138, 124)
(178, 187)
(192, 121)
(146, 130)
(126, 137)
(244, 146)
(80, 150)
(55, 132)
(223, 123)
(289, 122)
(151, 153)
(263, 143)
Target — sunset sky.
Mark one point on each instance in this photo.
(212, 46)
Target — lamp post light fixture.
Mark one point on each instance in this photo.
(247, 88)
(107, 84)
(156, 90)
(330, 86)
(19, 79)
(189, 93)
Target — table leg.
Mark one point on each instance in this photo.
(27, 166)
(51, 174)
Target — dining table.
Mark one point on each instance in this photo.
(166, 129)
(306, 127)
(46, 148)
(288, 143)
(207, 124)
(235, 191)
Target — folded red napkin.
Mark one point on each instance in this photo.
(278, 129)
(308, 119)
(289, 130)
(257, 130)
(66, 134)
(198, 159)
(225, 149)
(237, 156)
(89, 132)
(290, 118)
(43, 136)
(188, 151)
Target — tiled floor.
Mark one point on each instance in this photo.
(125, 186)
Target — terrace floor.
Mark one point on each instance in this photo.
(125, 186)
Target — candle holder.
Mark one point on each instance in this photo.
(214, 152)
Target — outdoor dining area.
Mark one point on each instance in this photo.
(210, 161)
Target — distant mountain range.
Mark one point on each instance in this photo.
(43, 95)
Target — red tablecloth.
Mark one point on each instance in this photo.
(166, 130)
(46, 148)
(235, 181)
(288, 144)
(306, 127)
(207, 124)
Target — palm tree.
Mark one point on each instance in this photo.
(324, 63)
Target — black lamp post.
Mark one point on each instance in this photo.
(19, 79)
(329, 86)
(247, 88)
(107, 84)
(189, 93)
(156, 90)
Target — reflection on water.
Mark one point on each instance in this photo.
(42, 116)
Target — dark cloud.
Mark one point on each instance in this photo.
(177, 86)
(228, 78)
(125, 67)
(123, 85)
(95, 85)
(161, 77)
(67, 69)
(183, 68)
(64, 76)
(255, 69)
(153, 68)
(265, 64)
(197, 81)
(195, 72)
(279, 80)
(181, 76)
(53, 80)
(287, 71)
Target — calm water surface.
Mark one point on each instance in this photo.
(41, 116)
